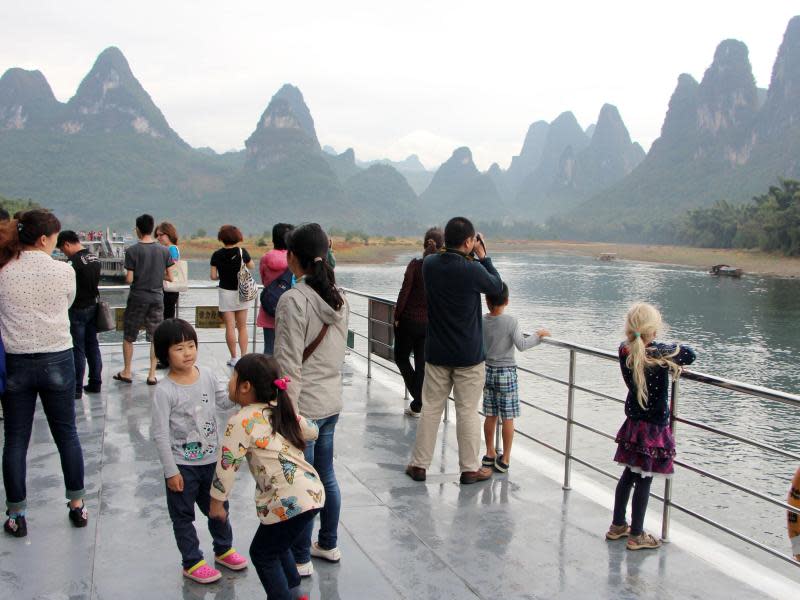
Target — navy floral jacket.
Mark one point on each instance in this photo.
(657, 379)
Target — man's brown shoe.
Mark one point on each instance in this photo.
(481, 474)
(416, 473)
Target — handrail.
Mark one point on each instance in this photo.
(696, 376)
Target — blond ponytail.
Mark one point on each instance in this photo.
(643, 322)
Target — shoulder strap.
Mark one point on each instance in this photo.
(317, 341)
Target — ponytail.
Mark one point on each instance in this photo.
(262, 374)
(644, 320)
(25, 231)
(309, 244)
(433, 241)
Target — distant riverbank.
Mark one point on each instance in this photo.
(382, 250)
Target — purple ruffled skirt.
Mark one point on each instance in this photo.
(645, 448)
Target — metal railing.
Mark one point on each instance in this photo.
(571, 422)
(191, 286)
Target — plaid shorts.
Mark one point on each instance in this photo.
(501, 393)
(141, 315)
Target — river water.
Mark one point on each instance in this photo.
(745, 329)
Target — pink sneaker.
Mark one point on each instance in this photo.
(232, 559)
(202, 572)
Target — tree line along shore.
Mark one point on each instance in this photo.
(378, 250)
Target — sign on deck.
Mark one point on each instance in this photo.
(208, 317)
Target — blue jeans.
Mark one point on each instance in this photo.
(196, 487)
(269, 341)
(85, 347)
(51, 376)
(319, 453)
(272, 558)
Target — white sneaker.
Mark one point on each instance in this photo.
(306, 569)
(412, 413)
(232, 362)
(333, 555)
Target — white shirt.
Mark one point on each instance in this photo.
(36, 292)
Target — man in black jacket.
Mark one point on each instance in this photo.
(83, 312)
(454, 280)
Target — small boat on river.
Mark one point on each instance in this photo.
(726, 271)
(607, 256)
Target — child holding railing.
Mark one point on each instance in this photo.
(501, 334)
(645, 445)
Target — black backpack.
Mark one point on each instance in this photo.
(273, 292)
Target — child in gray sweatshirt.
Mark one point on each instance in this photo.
(501, 334)
(184, 427)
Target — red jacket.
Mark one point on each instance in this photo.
(272, 264)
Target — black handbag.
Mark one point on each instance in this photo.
(104, 318)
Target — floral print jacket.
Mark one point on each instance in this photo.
(286, 485)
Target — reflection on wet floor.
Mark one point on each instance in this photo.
(516, 536)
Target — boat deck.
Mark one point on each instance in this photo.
(517, 536)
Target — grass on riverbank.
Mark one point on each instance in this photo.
(380, 250)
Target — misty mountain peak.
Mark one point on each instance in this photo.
(25, 99)
(285, 128)
(110, 98)
(727, 94)
(528, 160)
(782, 106)
(610, 131)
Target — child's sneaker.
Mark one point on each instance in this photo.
(232, 560)
(79, 516)
(333, 555)
(642, 541)
(616, 532)
(305, 569)
(500, 466)
(202, 573)
(16, 526)
(487, 461)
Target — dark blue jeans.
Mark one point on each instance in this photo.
(51, 376)
(319, 453)
(85, 347)
(269, 341)
(272, 558)
(196, 487)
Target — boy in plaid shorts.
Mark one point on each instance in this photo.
(501, 334)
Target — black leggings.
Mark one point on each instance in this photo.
(641, 495)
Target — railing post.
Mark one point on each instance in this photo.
(178, 307)
(570, 415)
(498, 448)
(255, 321)
(446, 409)
(665, 517)
(369, 339)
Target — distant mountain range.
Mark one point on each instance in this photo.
(109, 154)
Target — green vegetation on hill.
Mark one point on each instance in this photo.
(12, 206)
(770, 223)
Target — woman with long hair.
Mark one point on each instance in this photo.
(35, 295)
(411, 322)
(310, 340)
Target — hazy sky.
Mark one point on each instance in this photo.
(392, 78)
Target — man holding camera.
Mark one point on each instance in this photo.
(454, 280)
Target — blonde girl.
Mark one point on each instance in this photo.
(645, 445)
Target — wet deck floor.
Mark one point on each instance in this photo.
(516, 536)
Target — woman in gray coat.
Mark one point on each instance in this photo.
(310, 340)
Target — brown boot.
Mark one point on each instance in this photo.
(481, 474)
(416, 473)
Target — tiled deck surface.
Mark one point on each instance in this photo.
(516, 536)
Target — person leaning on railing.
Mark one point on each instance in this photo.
(454, 354)
(35, 295)
(310, 340)
(411, 322)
